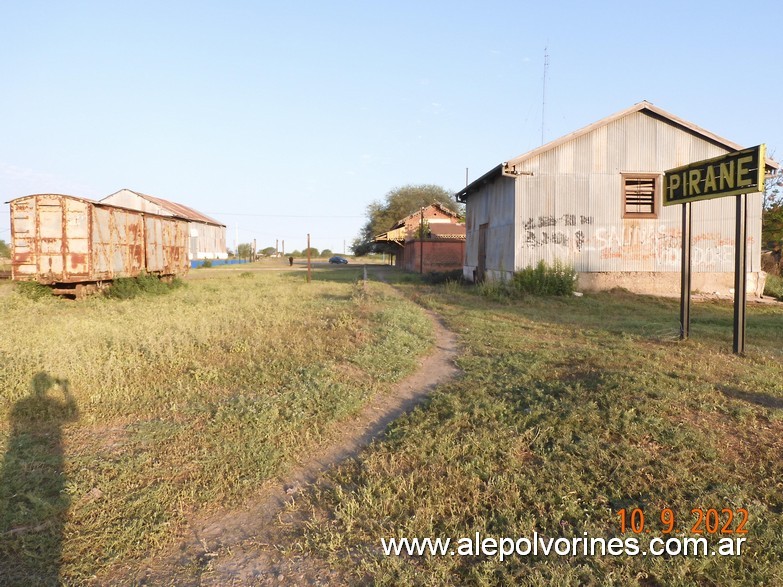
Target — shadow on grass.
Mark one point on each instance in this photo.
(759, 399)
(33, 500)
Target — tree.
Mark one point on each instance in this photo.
(399, 203)
(772, 216)
(313, 252)
(326, 253)
(5, 250)
(268, 251)
(245, 251)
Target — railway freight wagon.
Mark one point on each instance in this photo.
(76, 245)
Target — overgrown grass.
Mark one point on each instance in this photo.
(163, 406)
(774, 286)
(569, 410)
(557, 279)
(33, 290)
(125, 288)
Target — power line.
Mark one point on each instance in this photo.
(283, 215)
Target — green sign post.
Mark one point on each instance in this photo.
(734, 174)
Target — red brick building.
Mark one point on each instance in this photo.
(430, 240)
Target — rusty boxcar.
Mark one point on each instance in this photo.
(71, 242)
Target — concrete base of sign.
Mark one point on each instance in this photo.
(668, 284)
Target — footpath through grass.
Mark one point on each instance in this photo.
(570, 410)
(121, 418)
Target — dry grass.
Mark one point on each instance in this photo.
(160, 406)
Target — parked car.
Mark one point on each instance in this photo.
(338, 260)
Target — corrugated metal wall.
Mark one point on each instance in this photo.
(571, 207)
(494, 206)
(205, 241)
(65, 239)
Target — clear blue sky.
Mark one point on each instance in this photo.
(285, 118)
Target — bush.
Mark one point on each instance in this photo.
(559, 279)
(125, 288)
(436, 278)
(207, 263)
(774, 287)
(33, 290)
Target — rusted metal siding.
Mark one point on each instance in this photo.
(166, 245)
(207, 237)
(571, 207)
(495, 208)
(64, 239)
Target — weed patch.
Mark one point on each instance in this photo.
(126, 288)
(33, 290)
(774, 286)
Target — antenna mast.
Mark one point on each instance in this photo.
(543, 94)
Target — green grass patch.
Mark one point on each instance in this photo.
(774, 286)
(159, 407)
(569, 410)
(32, 290)
(125, 288)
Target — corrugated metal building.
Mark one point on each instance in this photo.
(593, 199)
(207, 235)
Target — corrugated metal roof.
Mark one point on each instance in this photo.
(179, 210)
(508, 168)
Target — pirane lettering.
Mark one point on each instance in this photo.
(731, 174)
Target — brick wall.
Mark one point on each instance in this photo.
(438, 255)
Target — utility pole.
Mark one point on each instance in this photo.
(254, 250)
(283, 247)
(543, 94)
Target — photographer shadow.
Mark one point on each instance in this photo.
(33, 500)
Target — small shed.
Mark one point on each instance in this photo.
(431, 240)
(207, 236)
(593, 199)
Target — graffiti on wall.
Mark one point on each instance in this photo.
(566, 230)
(660, 244)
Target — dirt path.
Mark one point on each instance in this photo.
(240, 547)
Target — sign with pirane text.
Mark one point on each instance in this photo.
(740, 172)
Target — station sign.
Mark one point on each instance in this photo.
(739, 172)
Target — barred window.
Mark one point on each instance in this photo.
(640, 195)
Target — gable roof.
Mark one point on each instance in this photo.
(507, 168)
(179, 210)
(436, 205)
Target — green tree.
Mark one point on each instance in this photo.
(326, 253)
(772, 216)
(245, 251)
(397, 204)
(268, 251)
(5, 250)
(313, 252)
